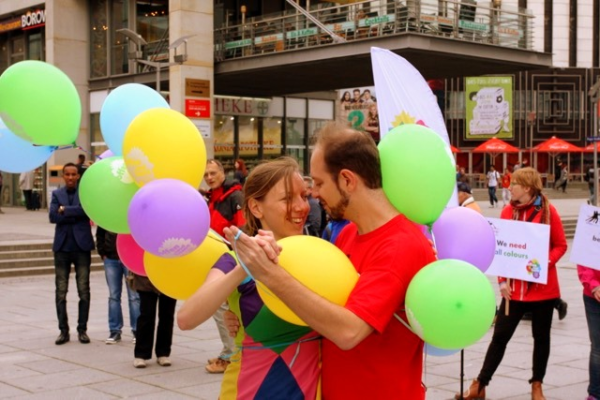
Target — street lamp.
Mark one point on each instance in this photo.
(137, 54)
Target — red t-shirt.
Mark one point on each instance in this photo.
(506, 180)
(388, 363)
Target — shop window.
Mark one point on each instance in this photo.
(36, 47)
(224, 137)
(152, 19)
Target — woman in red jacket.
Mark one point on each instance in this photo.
(530, 205)
(590, 279)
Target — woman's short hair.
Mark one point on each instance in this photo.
(528, 177)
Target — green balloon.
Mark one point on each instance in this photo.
(418, 172)
(450, 304)
(40, 104)
(105, 191)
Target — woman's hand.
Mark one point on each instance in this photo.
(505, 290)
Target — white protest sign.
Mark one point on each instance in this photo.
(522, 250)
(586, 243)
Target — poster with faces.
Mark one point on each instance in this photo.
(586, 243)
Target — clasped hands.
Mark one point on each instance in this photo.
(259, 253)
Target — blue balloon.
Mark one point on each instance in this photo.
(120, 108)
(18, 155)
(437, 352)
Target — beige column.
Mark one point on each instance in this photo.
(193, 18)
(67, 47)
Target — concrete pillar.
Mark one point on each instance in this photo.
(67, 47)
(193, 18)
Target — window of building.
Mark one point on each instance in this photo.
(120, 46)
(36, 48)
(98, 39)
(152, 19)
(17, 49)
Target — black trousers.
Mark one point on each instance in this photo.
(147, 320)
(28, 198)
(541, 323)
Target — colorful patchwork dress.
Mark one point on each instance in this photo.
(277, 360)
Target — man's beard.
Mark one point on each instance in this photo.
(337, 211)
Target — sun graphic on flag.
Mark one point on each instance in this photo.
(403, 118)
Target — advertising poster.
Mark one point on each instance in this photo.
(489, 103)
(522, 250)
(586, 242)
(358, 106)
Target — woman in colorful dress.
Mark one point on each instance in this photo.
(277, 360)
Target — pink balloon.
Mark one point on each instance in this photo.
(131, 254)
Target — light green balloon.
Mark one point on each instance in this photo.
(105, 191)
(418, 172)
(40, 104)
(450, 304)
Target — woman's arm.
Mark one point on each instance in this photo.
(209, 297)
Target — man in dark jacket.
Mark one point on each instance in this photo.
(73, 243)
(225, 201)
(115, 272)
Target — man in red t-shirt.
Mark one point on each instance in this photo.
(368, 352)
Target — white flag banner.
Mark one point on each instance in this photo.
(403, 95)
(522, 250)
(586, 242)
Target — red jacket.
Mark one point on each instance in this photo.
(529, 291)
(225, 206)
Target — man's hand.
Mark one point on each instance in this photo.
(232, 323)
(61, 209)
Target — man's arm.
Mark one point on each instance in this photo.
(335, 322)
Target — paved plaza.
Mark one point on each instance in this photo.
(33, 367)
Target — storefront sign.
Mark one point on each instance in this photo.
(197, 108)
(229, 106)
(33, 19)
(29, 20)
(197, 87)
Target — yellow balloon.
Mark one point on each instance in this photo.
(180, 277)
(318, 265)
(162, 143)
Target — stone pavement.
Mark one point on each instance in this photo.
(32, 367)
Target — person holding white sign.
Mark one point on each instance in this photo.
(590, 279)
(528, 204)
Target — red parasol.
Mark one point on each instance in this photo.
(495, 146)
(590, 148)
(556, 145)
(454, 149)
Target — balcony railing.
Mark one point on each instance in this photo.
(464, 20)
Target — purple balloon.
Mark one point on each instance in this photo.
(106, 154)
(168, 218)
(463, 234)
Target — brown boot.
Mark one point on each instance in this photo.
(474, 392)
(536, 391)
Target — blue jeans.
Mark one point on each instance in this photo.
(592, 314)
(115, 272)
(62, 267)
(492, 194)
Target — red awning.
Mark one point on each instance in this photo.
(454, 149)
(590, 148)
(495, 145)
(556, 145)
